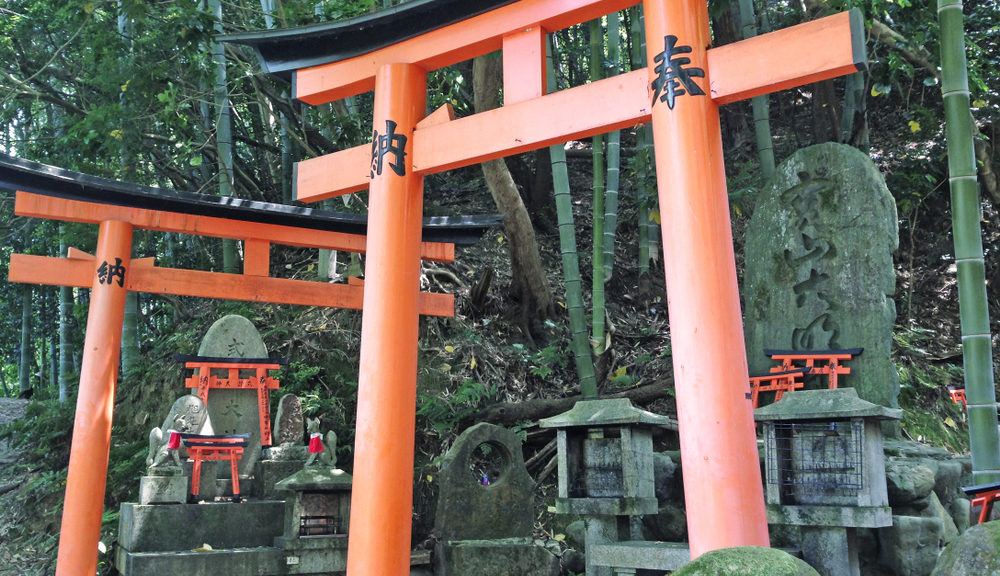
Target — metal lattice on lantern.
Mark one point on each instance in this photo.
(825, 471)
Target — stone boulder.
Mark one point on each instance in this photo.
(910, 546)
(974, 553)
(747, 561)
(908, 480)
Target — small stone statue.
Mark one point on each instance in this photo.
(323, 449)
(187, 416)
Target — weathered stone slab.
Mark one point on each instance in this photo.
(289, 423)
(467, 508)
(501, 557)
(163, 489)
(235, 411)
(819, 272)
(648, 555)
(259, 561)
(170, 527)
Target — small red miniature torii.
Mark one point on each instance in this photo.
(680, 93)
(204, 380)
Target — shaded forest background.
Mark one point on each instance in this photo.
(143, 92)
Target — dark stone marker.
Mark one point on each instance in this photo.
(819, 273)
(468, 508)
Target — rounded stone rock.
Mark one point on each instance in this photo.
(974, 553)
(747, 561)
(908, 481)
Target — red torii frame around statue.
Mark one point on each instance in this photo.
(112, 273)
(680, 93)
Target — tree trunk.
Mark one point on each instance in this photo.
(508, 413)
(130, 329)
(223, 133)
(528, 281)
(24, 368)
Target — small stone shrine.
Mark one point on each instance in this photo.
(605, 455)
(317, 515)
(825, 472)
(819, 272)
(235, 411)
(485, 514)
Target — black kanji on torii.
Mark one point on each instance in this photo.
(383, 144)
(672, 78)
(106, 274)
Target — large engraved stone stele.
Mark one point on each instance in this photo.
(819, 273)
(235, 411)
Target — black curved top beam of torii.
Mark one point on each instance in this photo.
(283, 51)
(36, 178)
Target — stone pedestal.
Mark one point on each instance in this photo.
(166, 485)
(831, 551)
(207, 485)
(497, 557)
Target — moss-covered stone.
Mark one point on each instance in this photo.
(747, 561)
(974, 553)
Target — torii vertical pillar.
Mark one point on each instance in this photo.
(88, 459)
(382, 498)
(718, 443)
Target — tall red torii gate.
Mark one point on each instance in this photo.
(118, 209)
(679, 92)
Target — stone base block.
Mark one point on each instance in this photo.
(651, 555)
(206, 484)
(163, 489)
(237, 562)
(313, 554)
(178, 527)
(504, 557)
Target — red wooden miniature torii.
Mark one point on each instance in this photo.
(204, 380)
(112, 272)
(679, 93)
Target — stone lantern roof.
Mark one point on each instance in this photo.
(826, 405)
(608, 412)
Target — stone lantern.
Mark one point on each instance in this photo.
(605, 456)
(825, 472)
(317, 512)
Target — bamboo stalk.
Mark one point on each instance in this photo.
(977, 351)
(597, 292)
(579, 340)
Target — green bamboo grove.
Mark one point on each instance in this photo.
(976, 342)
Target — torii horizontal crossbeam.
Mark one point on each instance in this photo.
(79, 273)
(736, 71)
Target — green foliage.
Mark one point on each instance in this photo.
(929, 415)
(43, 435)
(443, 411)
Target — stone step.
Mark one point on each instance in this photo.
(260, 561)
(180, 527)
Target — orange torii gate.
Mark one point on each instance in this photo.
(680, 92)
(118, 209)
